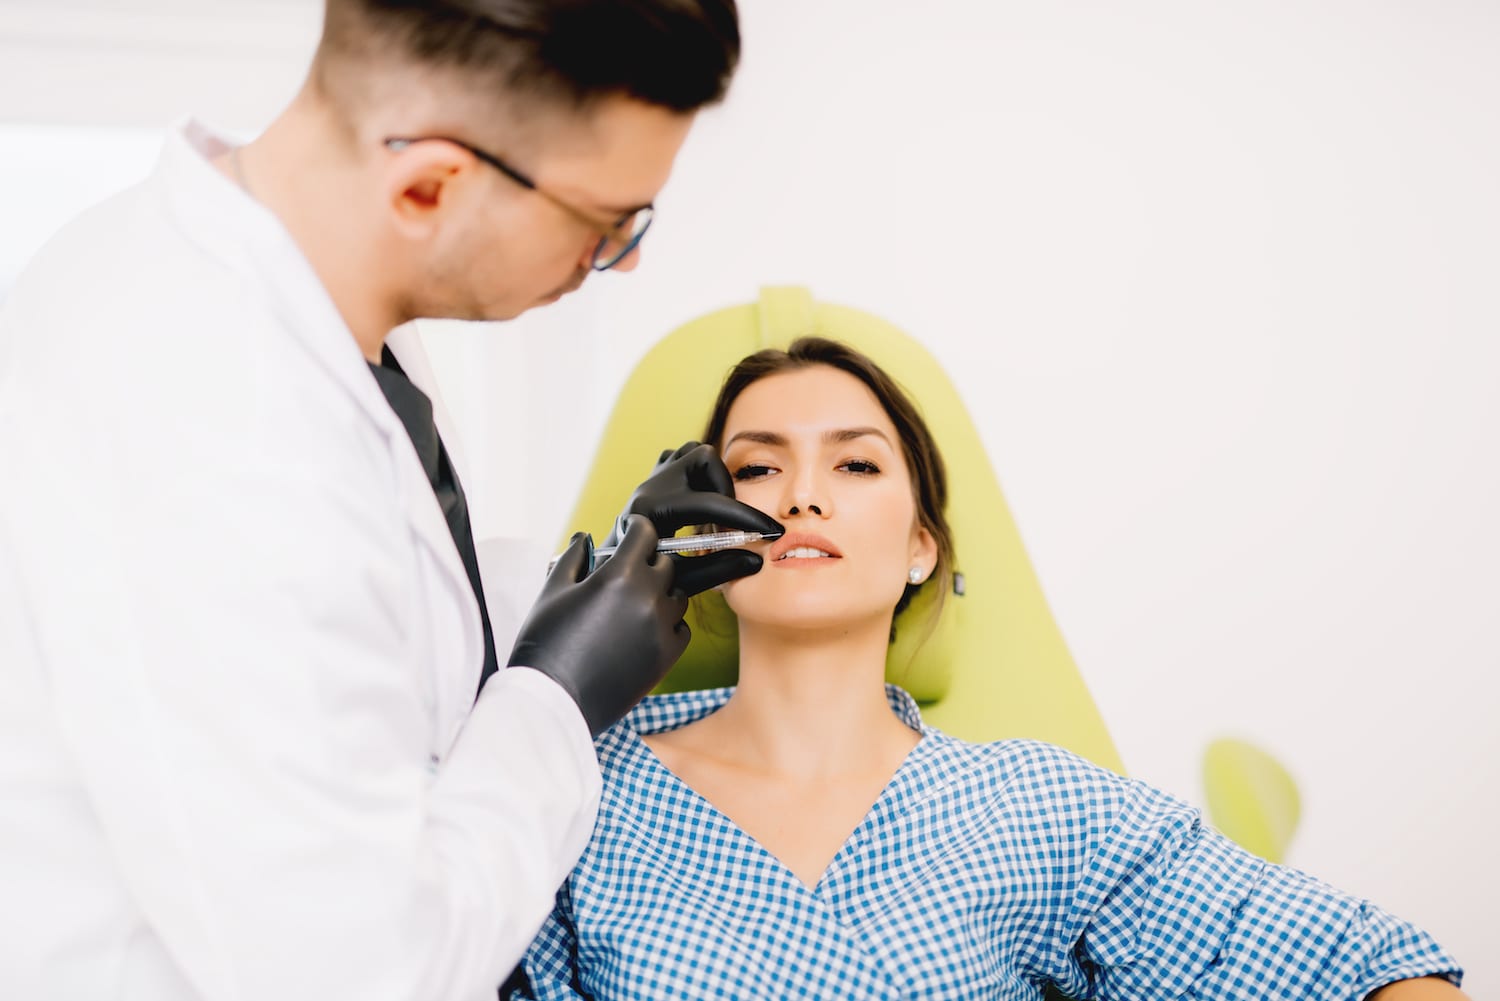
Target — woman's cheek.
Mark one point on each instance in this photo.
(756, 496)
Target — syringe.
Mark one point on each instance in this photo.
(710, 542)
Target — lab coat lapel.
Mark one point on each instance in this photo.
(415, 494)
(259, 248)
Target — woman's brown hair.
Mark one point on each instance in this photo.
(924, 463)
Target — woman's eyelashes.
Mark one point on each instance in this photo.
(760, 470)
(753, 471)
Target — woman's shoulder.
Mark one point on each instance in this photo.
(1051, 783)
(1022, 765)
(1013, 758)
(1017, 752)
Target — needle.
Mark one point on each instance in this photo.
(689, 544)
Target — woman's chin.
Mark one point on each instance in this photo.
(802, 617)
(803, 602)
(799, 624)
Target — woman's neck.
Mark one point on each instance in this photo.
(810, 704)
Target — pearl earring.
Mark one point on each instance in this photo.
(914, 575)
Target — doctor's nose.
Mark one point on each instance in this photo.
(629, 262)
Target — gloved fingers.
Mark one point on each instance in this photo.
(638, 540)
(675, 602)
(574, 564)
(674, 633)
(671, 454)
(700, 507)
(666, 456)
(696, 574)
(705, 470)
(652, 498)
(678, 642)
(679, 451)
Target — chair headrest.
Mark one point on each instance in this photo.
(667, 400)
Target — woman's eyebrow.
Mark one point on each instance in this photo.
(849, 434)
(759, 437)
(835, 436)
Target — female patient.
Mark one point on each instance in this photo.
(804, 835)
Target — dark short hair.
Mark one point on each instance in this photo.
(924, 463)
(678, 54)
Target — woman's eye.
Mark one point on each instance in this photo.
(753, 471)
(860, 467)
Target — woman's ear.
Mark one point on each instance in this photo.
(924, 550)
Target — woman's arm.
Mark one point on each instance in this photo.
(1163, 904)
(1425, 989)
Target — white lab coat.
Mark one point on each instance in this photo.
(238, 650)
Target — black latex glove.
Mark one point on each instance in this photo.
(692, 486)
(609, 636)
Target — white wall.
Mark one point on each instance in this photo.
(1217, 284)
(145, 62)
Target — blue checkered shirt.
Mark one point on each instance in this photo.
(983, 871)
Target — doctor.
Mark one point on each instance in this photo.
(240, 627)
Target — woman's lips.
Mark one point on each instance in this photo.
(806, 563)
(803, 550)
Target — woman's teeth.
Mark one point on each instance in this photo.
(802, 553)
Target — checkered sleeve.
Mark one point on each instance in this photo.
(1164, 906)
(551, 962)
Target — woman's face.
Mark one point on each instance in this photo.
(814, 449)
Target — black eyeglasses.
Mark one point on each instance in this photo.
(615, 241)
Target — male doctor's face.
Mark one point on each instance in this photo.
(488, 247)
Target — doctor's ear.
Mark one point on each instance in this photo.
(422, 181)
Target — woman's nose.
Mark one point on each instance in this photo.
(805, 497)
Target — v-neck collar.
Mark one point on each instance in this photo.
(660, 839)
(905, 787)
(660, 713)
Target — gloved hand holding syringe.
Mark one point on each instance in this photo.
(708, 543)
(572, 634)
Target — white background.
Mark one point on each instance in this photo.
(1218, 283)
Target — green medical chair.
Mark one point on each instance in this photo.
(994, 664)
